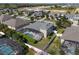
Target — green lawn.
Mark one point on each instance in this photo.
(54, 48)
(60, 31)
(41, 43)
(31, 52)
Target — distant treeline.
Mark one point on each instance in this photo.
(21, 5)
(18, 5)
(12, 5)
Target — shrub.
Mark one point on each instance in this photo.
(23, 45)
(60, 31)
(26, 37)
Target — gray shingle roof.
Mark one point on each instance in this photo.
(73, 16)
(38, 13)
(5, 17)
(17, 23)
(71, 33)
(40, 25)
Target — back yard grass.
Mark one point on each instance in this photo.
(31, 52)
(54, 48)
(41, 43)
(60, 31)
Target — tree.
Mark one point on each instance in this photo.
(47, 15)
(12, 34)
(56, 6)
(63, 22)
(68, 12)
(3, 27)
(77, 51)
(76, 12)
(14, 16)
(20, 13)
(78, 22)
(32, 18)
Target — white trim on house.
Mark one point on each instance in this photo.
(59, 35)
(11, 27)
(2, 33)
(62, 41)
(44, 32)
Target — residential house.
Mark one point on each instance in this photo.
(16, 23)
(5, 17)
(13, 23)
(41, 26)
(38, 13)
(70, 39)
(10, 47)
(72, 16)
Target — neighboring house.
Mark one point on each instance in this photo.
(8, 9)
(71, 33)
(16, 23)
(13, 23)
(38, 13)
(5, 17)
(10, 47)
(70, 39)
(44, 27)
(72, 16)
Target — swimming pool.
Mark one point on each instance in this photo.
(6, 50)
(29, 34)
(34, 35)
